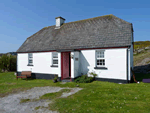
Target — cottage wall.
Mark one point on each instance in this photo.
(41, 64)
(115, 61)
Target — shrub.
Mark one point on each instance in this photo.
(93, 74)
(84, 79)
(4, 62)
(8, 63)
(56, 77)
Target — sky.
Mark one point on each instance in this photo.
(19, 19)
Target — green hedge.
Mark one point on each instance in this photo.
(8, 63)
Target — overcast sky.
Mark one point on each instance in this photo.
(20, 19)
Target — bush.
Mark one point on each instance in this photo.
(8, 63)
(56, 77)
(84, 79)
(93, 74)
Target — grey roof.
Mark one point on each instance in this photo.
(98, 32)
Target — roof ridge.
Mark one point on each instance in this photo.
(107, 16)
(121, 19)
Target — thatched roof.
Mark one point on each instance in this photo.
(98, 32)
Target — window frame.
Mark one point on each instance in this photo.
(54, 59)
(30, 58)
(103, 58)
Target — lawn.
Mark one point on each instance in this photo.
(95, 97)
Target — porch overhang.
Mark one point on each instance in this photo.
(66, 50)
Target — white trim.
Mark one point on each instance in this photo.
(100, 58)
(30, 58)
(54, 58)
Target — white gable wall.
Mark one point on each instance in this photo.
(115, 61)
(41, 63)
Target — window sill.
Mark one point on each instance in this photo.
(53, 66)
(100, 67)
(29, 65)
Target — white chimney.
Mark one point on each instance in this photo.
(59, 22)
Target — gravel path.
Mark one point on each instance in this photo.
(11, 103)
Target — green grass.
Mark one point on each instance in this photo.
(48, 96)
(54, 95)
(36, 108)
(9, 84)
(24, 100)
(106, 97)
(103, 97)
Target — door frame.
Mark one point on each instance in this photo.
(62, 65)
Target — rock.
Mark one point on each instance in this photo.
(147, 47)
(77, 85)
(140, 50)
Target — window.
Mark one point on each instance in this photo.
(55, 58)
(100, 58)
(30, 59)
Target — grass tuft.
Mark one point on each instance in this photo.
(24, 100)
(36, 108)
(55, 94)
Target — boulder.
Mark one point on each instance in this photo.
(147, 47)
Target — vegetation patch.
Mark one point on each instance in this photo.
(54, 95)
(139, 57)
(36, 108)
(148, 62)
(141, 44)
(97, 96)
(24, 100)
(84, 79)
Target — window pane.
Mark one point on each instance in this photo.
(101, 62)
(55, 55)
(30, 61)
(98, 55)
(55, 61)
(30, 55)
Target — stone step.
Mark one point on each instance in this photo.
(66, 80)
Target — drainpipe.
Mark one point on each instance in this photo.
(128, 64)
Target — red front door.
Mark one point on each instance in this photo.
(65, 65)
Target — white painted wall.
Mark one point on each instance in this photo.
(59, 22)
(115, 61)
(41, 63)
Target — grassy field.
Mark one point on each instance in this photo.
(95, 97)
(141, 44)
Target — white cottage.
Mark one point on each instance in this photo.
(102, 44)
